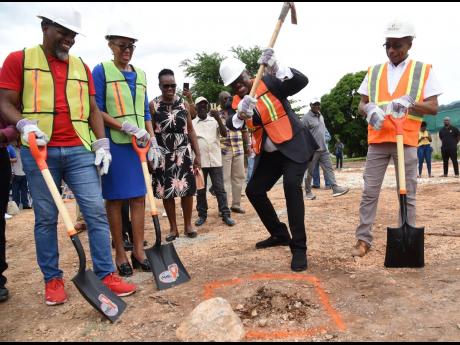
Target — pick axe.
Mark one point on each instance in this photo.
(284, 11)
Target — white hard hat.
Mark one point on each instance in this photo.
(398, 28)
(121, 29)
(69, 18)
(230, 69)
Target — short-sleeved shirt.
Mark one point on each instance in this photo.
(233, 142)
(425, 140)
(432, 86)
(207, 132)
(11, 152)
(11, 78)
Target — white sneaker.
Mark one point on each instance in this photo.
(7, 216)
(310, 196)
(164, 214)
(338, 191)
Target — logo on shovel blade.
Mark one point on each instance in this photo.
(171, 275)
(107, 306)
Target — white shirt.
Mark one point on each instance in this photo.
(208, 135)
(394, 74)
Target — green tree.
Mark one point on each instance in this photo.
(204, 68)
(340, 111)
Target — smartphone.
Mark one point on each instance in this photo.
(186, 86)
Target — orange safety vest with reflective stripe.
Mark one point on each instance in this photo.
(275, 121)
(412, 83)
(38, 99)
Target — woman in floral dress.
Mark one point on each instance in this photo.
(176, 138)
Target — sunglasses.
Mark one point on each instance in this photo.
(389, 45)
(123, 47)
(168, 86)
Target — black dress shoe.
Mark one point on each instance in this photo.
(145, 265)
(299, 261)
(3, 294)
(171, 237)
(125, 270)
(273, 241)
(200, 221)
(237, 210)
(229, 221)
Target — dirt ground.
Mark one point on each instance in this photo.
(336, 299)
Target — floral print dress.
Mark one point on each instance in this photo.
(174, 177)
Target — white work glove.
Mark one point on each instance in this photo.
(141, 135)
(26, 127)
(375, 116)
(246, 107)
(154, 154)
(101, 148)
(399, 107)
(268, 59)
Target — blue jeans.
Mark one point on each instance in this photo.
(74, 165)
(317, 178)
(250, 168)
(424, 153)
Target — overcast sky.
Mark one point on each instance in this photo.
(330, 40)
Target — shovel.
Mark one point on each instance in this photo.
(405, 245)
(90, 286)
(167, 268)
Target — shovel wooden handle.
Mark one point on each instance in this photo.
(142, 153)
(398, 123)
(40, 157)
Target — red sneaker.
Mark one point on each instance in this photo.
(118, 285)
(54, 292)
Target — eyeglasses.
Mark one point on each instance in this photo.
(168, 86)
(123, 47)
(389, 45)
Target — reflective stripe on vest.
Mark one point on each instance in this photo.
(119, 100)
(412, 83)
(275, 120)
(38, 95)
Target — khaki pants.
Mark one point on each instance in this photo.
(233, 167)
(378, 157)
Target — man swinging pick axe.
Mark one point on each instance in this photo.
(283, 146)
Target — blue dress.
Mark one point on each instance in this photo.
(125, 179)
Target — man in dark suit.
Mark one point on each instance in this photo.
(283, 147)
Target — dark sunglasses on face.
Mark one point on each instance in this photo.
(168, 86)
(123, 47)
(389, 45)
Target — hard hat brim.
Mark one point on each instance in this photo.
(68, 27)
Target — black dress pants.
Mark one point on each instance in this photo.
(450, 154)
(5, 177)
(270, 168)
(217, 180)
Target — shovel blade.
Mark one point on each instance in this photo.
(98, 295)
(405, 247)
(167, 268)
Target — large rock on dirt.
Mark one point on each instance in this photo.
(212, 320)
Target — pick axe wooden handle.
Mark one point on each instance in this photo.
(284, 11)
